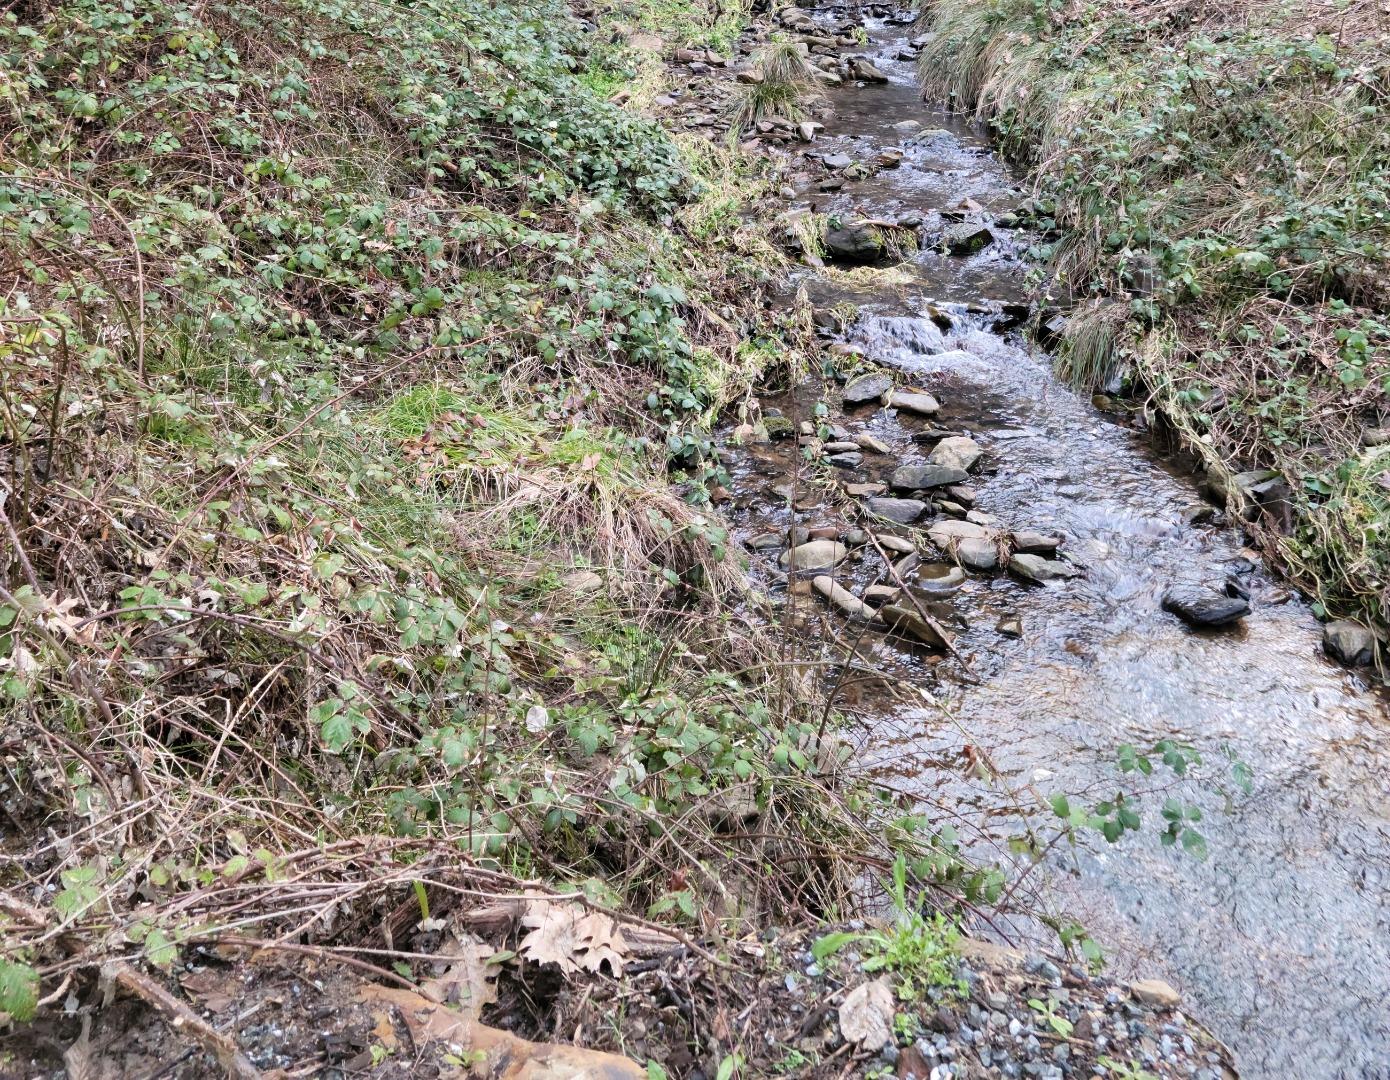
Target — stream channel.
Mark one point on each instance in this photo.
(1279, 940)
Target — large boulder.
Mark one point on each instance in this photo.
(864, 71)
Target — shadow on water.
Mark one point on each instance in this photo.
(1280, 939)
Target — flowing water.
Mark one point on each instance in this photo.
(1280, 938)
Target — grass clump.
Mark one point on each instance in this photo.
(1219, 182)
(786, 88)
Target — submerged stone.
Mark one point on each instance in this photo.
(1200, 606)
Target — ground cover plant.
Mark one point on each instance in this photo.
(349, 351)
(1218, 177)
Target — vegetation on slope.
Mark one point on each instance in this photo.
(1219, 176)
(348, 350)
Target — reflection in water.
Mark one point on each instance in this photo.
(1281, 938)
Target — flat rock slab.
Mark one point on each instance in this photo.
(866, 388)
(903, 511)
(816, 555)
(1200, 606)
(920, 477)
(945, 533)
(958, 451)
(1036, 568)
(1036, 543)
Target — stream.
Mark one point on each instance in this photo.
(1279, 940)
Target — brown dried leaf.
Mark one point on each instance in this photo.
(469, 981)
(601, 940)
(552, 939)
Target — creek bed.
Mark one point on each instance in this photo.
(1280, 938)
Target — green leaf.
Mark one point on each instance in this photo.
(1061, 806)
(830, 944)
(159, 950)
(19, 989)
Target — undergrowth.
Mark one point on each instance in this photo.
(349, 351)
(1218, 179)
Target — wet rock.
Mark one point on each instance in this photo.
(1034, 542)
(939, 579)
(962, 493)
(837, 161)
(907, 127)
(967, 238)
(864, 71)
(945, 533)
(856, 538)
(842, 598)
(1010, 627)
(903, 511)
(841, 447)
(866, 388)
(1155, 992)
(873, 445)
(851, 459)
(958, 451)
(1198, 605)
(858, 244)
(895, 543)
(815, 555)
(865, 491)
(808, 130)
(905, 621)
(978, 554)
(919, 477)
(878, 595)
(765, 542)
(1349, 642)
(1037, 569)
(921, 403)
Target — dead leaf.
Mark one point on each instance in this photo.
(866, 1016)
(570, 938)
(469, 981)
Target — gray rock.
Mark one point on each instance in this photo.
(896, 543)
(841, 447)
(878, 595)
(865, 491)
(1010, 627)
(837, 161)
(765, 541)
(851, 459)
(1198, 605)
(1038, 543)
(978, 554)
(842, 598)
(903, 511)
(921, 403)
(967, 238)
(905, 621)
(866, 388)
(1349, 642)
(816, 555)
(907, 127)
(918, 477)
(873, 445)
(958, 451)
(1037, 569)
(945, 533)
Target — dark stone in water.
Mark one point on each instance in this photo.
(866, 388)
(858, 245)
(903, 511)
(1200, 606)
(1349, 642)
(967, 239)
(918, 477)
